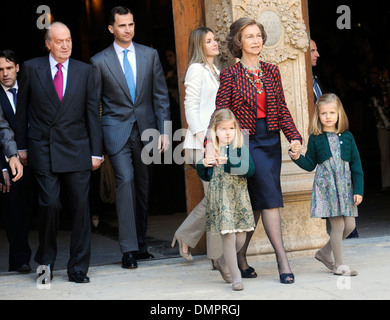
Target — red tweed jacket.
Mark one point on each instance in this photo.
(238, 94)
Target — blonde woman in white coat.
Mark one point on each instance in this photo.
(201, 86)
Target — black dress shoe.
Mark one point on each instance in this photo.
(129, 261)
(79, 277)
(143, 255)
(24, 268)
(45, 277)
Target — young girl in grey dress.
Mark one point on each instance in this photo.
(338, 181)
(228, 210)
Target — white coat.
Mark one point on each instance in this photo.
(201, 88)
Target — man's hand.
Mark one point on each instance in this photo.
(163, 143)
(96, 163)
(23, 157)
(6, 187)
(16, 168)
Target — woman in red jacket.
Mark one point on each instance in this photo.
(253, 90)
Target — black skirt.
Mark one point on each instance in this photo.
(264, 186)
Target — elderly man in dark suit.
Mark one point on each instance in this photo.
(18, 198)
(57, 122)
(134, 94)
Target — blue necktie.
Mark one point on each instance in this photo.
(316, 89)
(13, 91)
(129, 75)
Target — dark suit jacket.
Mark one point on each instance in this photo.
(7, 143)
(151, 106)
(9, 116)
(59, 136)
(320, 85)
(238, 94)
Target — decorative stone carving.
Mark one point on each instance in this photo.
(220, 22)
(282, 20)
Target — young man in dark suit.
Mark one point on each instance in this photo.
(131, 84)
(57, 122)
(18, 199)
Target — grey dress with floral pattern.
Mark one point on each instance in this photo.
(332, 194)
(228, 204)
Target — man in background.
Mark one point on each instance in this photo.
(314, 55)
(18, 198)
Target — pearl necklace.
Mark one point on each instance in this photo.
(249, 71)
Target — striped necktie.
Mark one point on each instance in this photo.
(316, 89)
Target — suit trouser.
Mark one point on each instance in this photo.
(18, 206)
(132, 193)
(194, 226)
(77, 189)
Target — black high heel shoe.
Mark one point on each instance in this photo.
(248, 273)
(287, 278)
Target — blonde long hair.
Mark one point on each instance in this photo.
(222, 115)
(342, 123)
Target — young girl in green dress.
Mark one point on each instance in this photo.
(338, 181)
(228, 209)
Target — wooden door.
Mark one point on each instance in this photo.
(188, 15)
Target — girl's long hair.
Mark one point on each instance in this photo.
(342, 123)
(225, 115)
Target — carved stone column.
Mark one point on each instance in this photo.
(286, 46)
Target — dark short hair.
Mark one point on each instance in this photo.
(233, 39)
(10, 56)
(118, 10)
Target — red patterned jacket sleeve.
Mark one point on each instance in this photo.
(286, 122)
(224, 93)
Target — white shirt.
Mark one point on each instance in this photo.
(10, 95)
(130, 56)
(54, 69)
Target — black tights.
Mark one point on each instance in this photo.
(272, 225)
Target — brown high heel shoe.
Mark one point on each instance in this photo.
(185, 255)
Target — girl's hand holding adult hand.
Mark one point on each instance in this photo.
(293, 155)
(222, 160)
(209, 162)
(295, 146)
